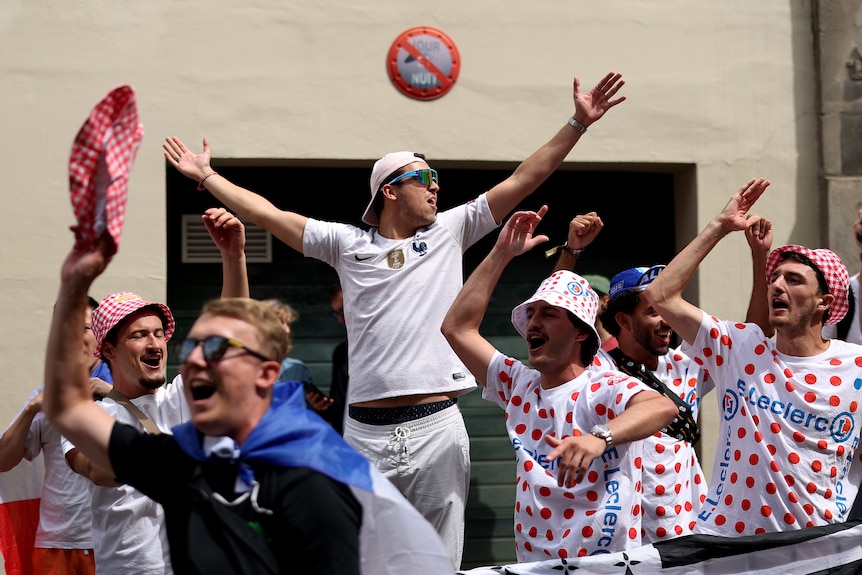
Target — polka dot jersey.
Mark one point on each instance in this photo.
(789, 432)
(674, 484)
(602, 513)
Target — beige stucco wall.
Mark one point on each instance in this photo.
(727, 86)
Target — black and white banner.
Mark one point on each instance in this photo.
(831, 549)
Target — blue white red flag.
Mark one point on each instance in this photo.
(20, 490)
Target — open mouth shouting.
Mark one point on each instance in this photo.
(153, 360)
(535, 341)
(202, 389)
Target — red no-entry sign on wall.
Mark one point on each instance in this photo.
(423, 63)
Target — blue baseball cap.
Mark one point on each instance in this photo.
(633, 279)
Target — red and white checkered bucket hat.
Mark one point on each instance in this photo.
(563, 289)
(832, 268)
(99, 165)
(116, 307)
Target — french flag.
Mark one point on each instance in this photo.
(20, 490)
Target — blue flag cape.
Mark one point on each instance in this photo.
(289, 435)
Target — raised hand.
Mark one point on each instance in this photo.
(85, 264)
(759, 234)
(591, 106)
(734, 216)
(583, 229)
(226, 231)
(516, 237)
(191, 165)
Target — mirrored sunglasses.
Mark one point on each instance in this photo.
(214, 348)
(424, 176)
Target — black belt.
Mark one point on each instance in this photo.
(395, 415)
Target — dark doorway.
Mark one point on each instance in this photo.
(637, 208)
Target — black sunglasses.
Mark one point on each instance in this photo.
(214, 348)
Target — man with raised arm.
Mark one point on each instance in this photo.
(575, 431)
(131, 336)
(789, 431)
(398, 279)
(674, 483)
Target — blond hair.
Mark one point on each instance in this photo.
(259, 315)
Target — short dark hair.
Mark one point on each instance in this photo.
(92, 304)
(821, 279)
(625, 302)
(377, 204)
(590, 346)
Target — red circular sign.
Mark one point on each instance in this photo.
(423, 63)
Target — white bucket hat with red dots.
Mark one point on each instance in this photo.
(563, 289)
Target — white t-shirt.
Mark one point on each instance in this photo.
(601, 514)
(854, 334)
(674, 484)
(64, 509)
(129, 532)
(788, 433)
(396, 293)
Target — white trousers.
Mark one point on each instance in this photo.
(428, 460)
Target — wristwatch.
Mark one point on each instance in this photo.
(602, 432)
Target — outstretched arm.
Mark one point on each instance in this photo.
(589, 108)
(286, 226)
(583, 229)
(68, 398)
(665, 292)
(13, 444)
(759, 236)
(461, 324)
(228, 234)
(645, 413)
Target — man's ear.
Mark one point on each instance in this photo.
(624, 320)
(825, 302)
(108, 351)
(388, 191)
(269, 371)
(583, 334)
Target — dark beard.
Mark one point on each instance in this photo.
(153, 383)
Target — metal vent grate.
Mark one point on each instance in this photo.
(198, 247)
